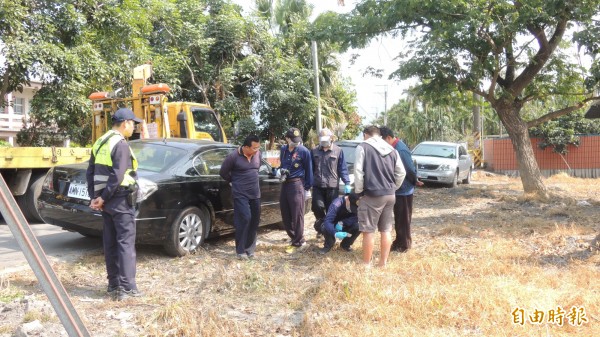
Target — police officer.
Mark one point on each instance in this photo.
(341, 222)
(297, 177)
(329, 166)
(112, 185)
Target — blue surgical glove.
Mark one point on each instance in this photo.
(341, 235)
(339, 226)
(347, 189)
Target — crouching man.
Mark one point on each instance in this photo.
(341, 222)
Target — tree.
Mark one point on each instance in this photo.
(511, 53)
(289, 23)
(74, 48)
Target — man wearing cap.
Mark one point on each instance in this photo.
(329, 166)
(112, 186)
(297, 177)
(341, 222)
(378, 173)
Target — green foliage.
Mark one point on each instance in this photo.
(204, 49)
(245, 127)
(283, 96)
(564, 131)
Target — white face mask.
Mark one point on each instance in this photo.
(325, 141)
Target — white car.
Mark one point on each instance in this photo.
(443, 162)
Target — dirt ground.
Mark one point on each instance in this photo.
(492, 206)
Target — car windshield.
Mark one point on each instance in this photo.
(435, 150)
(349, 152)
(155, 157)
(205, 120)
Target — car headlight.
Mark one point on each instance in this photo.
(147, 187)
(445, 167)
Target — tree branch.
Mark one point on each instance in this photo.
(561, 112)
(542, 56)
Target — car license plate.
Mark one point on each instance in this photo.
(421, 175)
(78, 191)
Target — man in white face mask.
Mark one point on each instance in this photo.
(295, 160)
(329, 166)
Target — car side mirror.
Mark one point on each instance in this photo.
(464, 157)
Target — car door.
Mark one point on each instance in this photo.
(464, 164)
(215, 188)
(270, 188)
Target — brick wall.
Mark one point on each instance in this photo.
(580, 161)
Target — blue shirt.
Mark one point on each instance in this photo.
(338, 212)
(298, 163)
(408, 185)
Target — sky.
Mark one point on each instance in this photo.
(370, 91)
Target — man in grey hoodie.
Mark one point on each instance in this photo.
(378, 173)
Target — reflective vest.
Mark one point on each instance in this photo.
(102, 150)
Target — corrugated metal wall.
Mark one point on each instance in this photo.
(581, 161)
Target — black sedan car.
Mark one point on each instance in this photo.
(183, 199)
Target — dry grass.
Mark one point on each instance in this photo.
(480, 252)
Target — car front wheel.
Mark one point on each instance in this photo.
(188, 231)
(467, 180)
(454, 182)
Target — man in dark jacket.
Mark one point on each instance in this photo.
(329, 166)
(341, 222)
(378, 173)
(112, 186)
(240, 169)
(297, 177)
(404, 195)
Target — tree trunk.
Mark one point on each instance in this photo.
(476, 113)
(531, 176)
(271, 139)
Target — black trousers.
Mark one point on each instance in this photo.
(291, 203)
(353, 232)
(402, 218)
(118, 239)
(322, 197)
(246, 216)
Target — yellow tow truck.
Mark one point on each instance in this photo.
(24, 168)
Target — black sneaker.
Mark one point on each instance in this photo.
(112, 291)
(123, 294)
(348, 249)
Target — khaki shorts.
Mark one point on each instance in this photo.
(376, 213)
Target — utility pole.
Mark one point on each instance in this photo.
(317, 90)
(376, 108)
(385, 115)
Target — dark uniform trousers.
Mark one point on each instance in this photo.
(291, 202)
(402, 217)
(119, 241)
(321, 200)
(353, 233)
(246, 216)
